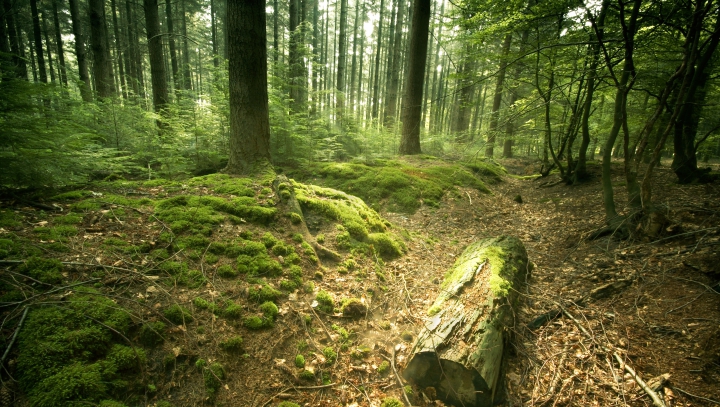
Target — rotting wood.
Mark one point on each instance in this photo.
(459, 352)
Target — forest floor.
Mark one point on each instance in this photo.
(655, 303)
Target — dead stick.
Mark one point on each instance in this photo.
(397, 376)
(695, 396)
(15, 334)
(657, 401)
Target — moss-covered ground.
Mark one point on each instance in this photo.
(166, 292)
(402, 185)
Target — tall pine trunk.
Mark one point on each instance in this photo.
(213, 30)
(15, 38)
(171, 44)
(48, 46)
(101, 55)
(376, 81)
(80, 56)
(187, 75)
(417, 55)
(119, 50)
(59, 44)
(155, 49)
(37, 39)
(394, 85)
(342, 61)
(497, 98)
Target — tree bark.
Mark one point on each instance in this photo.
(276, 33)
(59, 44)
(155, 49)
(378, 52)
(394, 85)
(497, 99)
(187, 75)
(15, 39)
(119, 49)
(101, 55)
(213, 31)
(342, 61)
(171, 44)
(37, 39)
(465, 96)
(249, 111)
(413, 100)
(48, 46)
(460, 351)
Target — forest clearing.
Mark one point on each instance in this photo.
(377, 203)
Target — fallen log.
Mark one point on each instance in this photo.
(459, 352)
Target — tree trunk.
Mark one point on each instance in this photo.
(392, 94)
(59, 44)
(100, 53)
(417, 55)
(276, 33)
(213, 32)
(342, 61)
(14, 36)
(37, 39)
(187, 75)
(497, 99)
(434, 101)
(119, 49)
(249, 112)
(48, 46)
(376, 81)
(155, 49)
(460, 351)
(173, 53)
(353, 59)
(465, 96)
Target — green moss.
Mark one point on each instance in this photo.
(213, 376)
(386, 245)
(300, 361)
(249, 248)
(281, 249)
(69, 219)
(111, 403)
(295, 218)
(391, 402)
(384, 367)
(406, 336)
(232, 344)
(67, 354)
(113, 241)
(402, 185)
(126, 358)
(217, 248)
(288, 404)
(8, 219)
(330, 355)
(269, 310)
(307, 375)
(71, 195)
(151, 333)
(344, 334)
(262, 292)
(178, 314)
(264, 266)
(56, 233)
(269, 240)
(254, 322)
(204, 304)
(227, 271)
(362, 352)
(232, 310)
(48, 271)
(325, 302)
(353, 308)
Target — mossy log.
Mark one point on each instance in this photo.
(459, 352)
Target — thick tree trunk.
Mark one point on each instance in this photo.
(353, 59)
(37, 39)
(101, 55)
(171, 44)
(413, 100)
(497, 99)
(155, 49)
(59, 44)
(464, 104)
(460, 351)
(132, 70)
(249, 111)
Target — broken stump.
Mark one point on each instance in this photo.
(459, 352)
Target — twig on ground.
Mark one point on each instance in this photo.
(695, 395)
(397, 376)
(657, 401)
(14, 337)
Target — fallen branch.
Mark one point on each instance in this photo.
(695, 395)
(397, 376)
(657, 401)
(15, 334)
